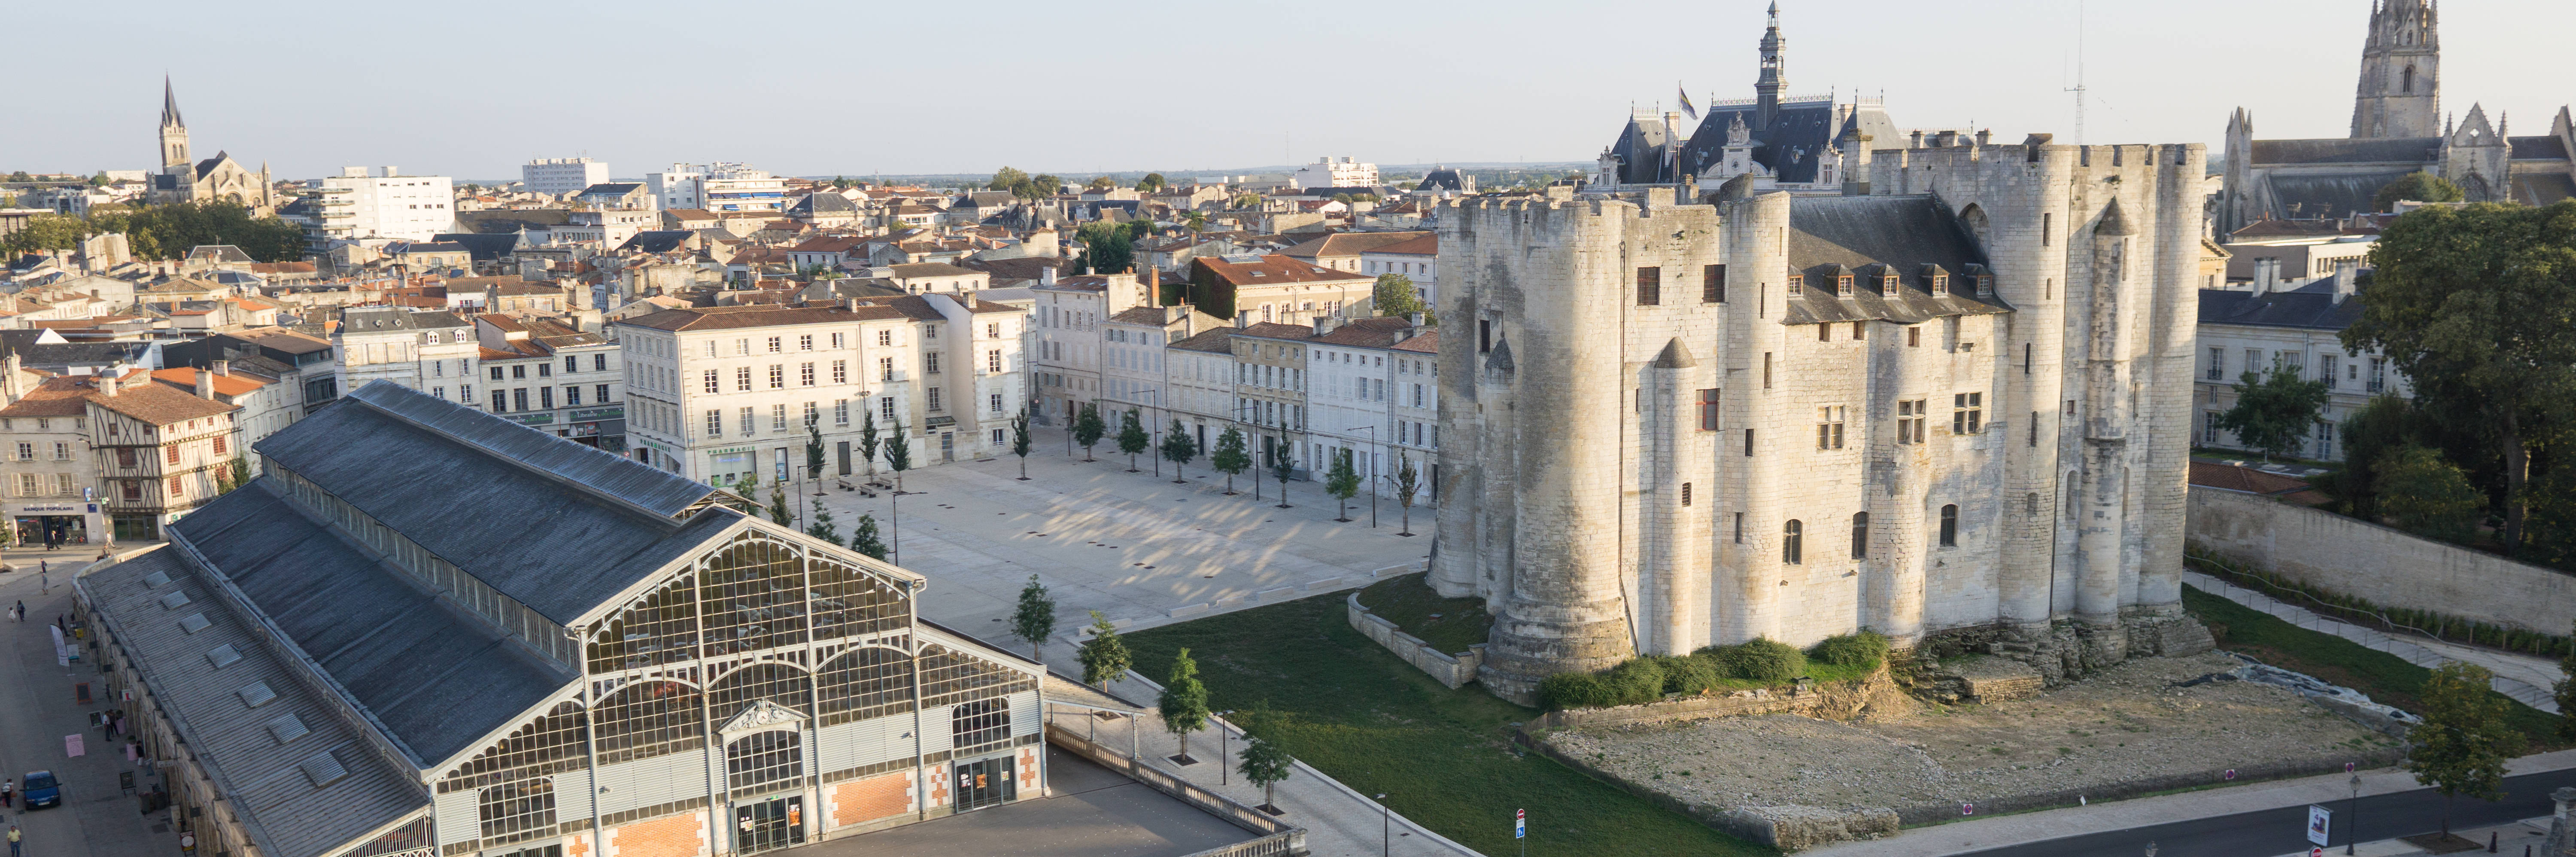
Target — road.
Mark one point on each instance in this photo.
(2283, 830)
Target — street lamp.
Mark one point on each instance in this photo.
(1372, 480)
(1157, 432)
(2352, 826)
(1222, 777)
(1386, 830)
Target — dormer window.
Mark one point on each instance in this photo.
(1843, 285)
(1887, 285)
(1940, 284)
(1797, 283)
(1985, 285)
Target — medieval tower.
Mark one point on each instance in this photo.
(1950, 393)
(2400, 94)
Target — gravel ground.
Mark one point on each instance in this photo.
(2125, 725)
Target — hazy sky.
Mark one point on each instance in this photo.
(472, 89)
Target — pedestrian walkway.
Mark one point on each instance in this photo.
(2524, 678)
(1339, 822)
(1971, 836)
(40, 708)
(2508, 838)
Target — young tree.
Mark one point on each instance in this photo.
(1197, 221)
(1342, 482)
(865, 539)
(823, 528)
(1088, 428)
(1020, 440)
(1132, 438)
(1104, 656)
(1179, 449)
(2378, 428)
(898, 456)
(814, 449)
(868, 438)
(2418, 186)
(1184, 703)
(1395, 297)
(1283, 464)
(1264, 764)
(1230, 458)
(1034, 620)
(1150, 183)
(2275, 411)
(2461, 746)
(2470, 304)
(2422, 493)
(779, 513)
(1407, 482)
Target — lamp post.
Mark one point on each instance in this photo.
(1222, 776)
(1386, 830)
(2352, 825)
(1372, 478)
(1157, 433)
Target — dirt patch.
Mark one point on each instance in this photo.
(2126, 731)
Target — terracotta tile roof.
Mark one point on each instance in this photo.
(1269, 330)
(1427, 245)
(1375, 332)
(735, 317)
(1275, 268)
(1427, 342)
(229, 385)
(2229, 477)
(159, 404)
(55, 397)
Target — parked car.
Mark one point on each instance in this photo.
(40, 789)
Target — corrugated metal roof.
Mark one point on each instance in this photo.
(662, 492)
(282, 810)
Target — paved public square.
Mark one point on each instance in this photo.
(1094, 811)
(39, 708)
(1133, 546)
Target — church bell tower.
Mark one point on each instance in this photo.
(2401, 89)
(174, 131)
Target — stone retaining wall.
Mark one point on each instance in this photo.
(1451, 670)
(2347, 556)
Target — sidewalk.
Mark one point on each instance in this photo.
(1339, 822)
(1970, 836)
(2509, 839)
(38, 709)
(2524, 678)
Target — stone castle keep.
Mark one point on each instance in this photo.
(1951, 395)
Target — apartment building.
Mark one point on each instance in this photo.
(1066, 320)
(1327, 172)
(539, 373)
(1133, 368)
(393, 205)
(50, 472)
(160, 451)
(2296, 327)
(723, 188)
(1359, 377)
(720, 394)
(559, 176)
(1274, 288)
(1270, 389)
(432, 351)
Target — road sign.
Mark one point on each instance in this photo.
(1520, 823)
(2320, 822)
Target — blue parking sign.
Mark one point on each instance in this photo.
(1520, 823)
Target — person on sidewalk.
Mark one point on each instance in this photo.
(13, 840)
(7, 790)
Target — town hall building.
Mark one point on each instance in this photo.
(219, 178)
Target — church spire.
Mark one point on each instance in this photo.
(1775, 76)
(174, 131)
(170, 106)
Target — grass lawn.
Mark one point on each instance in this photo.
(2386, 677)
(1443, 757)
(1448, 624)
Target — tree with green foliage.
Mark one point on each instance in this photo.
(779, 512)
(2378, 428)
(823, 527)
(868, 440)
(1245, 200)
(21, 176)
(1103, 182)
(1184, 703)
(1020, 440)
(2424, 494)
(1150, 183)
(1138, 230)
(1108, 248)
(1283, 464)
(46, 232)
(2418, 186)
(1007, 178)
(898, 455)
(240, 469)
(1264, 764)
(1230, 457)
(864, 538)
(2471, 304)
(1132, 437)
(1195, 220)
(2275, 411)
(1033, 621)
(1088, 427)
(1104, 657)
(1407, 482)
(1045, 185)
(1179, 449)
(2462, 745)
(814, 448)
(1344, 198)
(1395, 296)
(1342, 481)
(99, 179)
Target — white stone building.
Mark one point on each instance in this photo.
(1355, 389)
(1066, 322)
(432, 351)
(1417, 260)
(723, 188)
(1328, 172)
(559, 176)
(721, 393)
(393, 205)
(2294, 326)
(551, 378)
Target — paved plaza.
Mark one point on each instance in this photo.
(1094, 812)
(1131, 545)
(39, 708)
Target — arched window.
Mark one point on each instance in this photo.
(753, 597)
(863, 683)
(779, 683)
(546, 746)
(849, 602)
(1792, 551)
(2407, 83)
(951, 677)
(662, 629)
(1860, 535)
(648, 719)
(763, 759)
(517, 811)
(1950, 526)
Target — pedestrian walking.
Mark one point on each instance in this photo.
(13, 840)
(7, 791)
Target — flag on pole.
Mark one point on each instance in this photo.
(1686, 105)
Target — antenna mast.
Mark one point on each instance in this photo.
(2078, 88)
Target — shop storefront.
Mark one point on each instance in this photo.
(600, 427)
(728, 467)
(59, 522)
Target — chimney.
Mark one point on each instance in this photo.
(1046, 276)
(2267, 275)
(1413, 319)
(205, 384)
(223, 367)
(2345, 270)
(1242, 319)
(1153, 286)
(1323, 324)
(1983, 135)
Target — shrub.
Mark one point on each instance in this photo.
(1864, 650)
(1759, 659)
(1640, 680)
(1575, 690)
(1690, 673)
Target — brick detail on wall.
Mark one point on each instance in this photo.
(673, 836)
(861, 801)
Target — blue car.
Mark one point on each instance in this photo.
(41, 789)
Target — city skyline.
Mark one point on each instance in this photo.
(469, 106)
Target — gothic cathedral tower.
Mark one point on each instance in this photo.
(2401, 90)
(174, 131)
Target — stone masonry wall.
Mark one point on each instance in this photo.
(1450, 670)
(2379, 564)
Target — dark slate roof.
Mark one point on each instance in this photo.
(438, 679)
(2311, 306)
(1863, 233)
(60, 354)
(822, 201)
(2397, 150)
(369, 319)
(556, 525)
(2538, 148)
(1443, 178)
(2543, 188)
(611, 189)
(1800, 137)
(2335, 195)
(484, 248)
(283, 811)
(657, 240)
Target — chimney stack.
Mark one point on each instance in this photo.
(1242, 319)
(2267, 273)
(205, 384)
(1046, 276)
(1413, 319)
(2345, 271)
